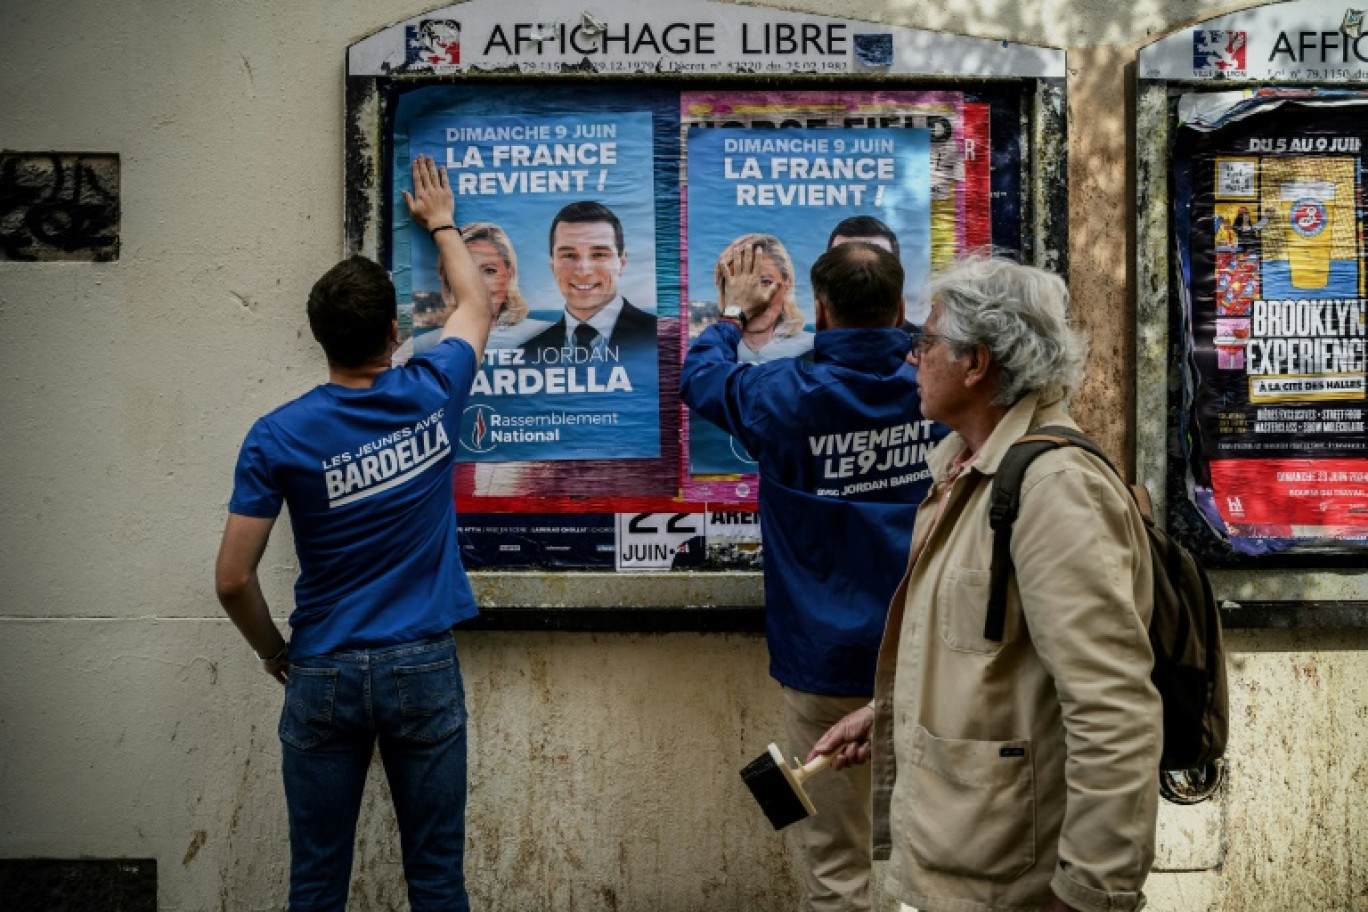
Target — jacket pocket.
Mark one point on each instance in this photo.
(306, 720)
(962, 600)
(431, 701)
(973, 806)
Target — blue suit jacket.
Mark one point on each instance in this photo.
(633, 333)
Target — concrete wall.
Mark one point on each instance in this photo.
(133, 722)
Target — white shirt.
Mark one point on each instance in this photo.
(603, 321)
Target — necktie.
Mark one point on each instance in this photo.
(585, 336)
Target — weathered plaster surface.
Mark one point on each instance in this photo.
(1296, 815)
(134, 723)
(1098, 233)
(603, 771)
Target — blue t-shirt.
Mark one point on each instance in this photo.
(367, 477)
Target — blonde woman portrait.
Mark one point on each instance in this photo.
(497, 263)
(778, 331)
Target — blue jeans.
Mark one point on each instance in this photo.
(411, 698)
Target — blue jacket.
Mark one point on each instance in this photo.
(842, 447)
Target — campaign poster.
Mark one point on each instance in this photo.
(1271, 210)
(607, 474)
(572, 366)
(959, 151)
(787, 192)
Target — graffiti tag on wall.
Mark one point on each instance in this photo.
(59, 206)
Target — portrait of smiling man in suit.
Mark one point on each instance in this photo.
(587, 259)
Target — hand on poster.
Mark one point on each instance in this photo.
(747, 284)
(432, 205)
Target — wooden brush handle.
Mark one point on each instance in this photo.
(810, 769)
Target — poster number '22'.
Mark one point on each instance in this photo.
(677, 523)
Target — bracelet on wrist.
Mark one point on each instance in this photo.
(433, 232)
(284, 651)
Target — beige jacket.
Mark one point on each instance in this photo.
(1003, 771)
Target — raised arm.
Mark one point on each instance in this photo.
(712, 382)
(433, 207)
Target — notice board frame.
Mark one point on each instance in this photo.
(512, 47)
(1284, 591)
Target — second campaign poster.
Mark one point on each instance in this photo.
(789, 192)
(1271, 231)
(797, 171)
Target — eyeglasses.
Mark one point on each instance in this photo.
(921, 341)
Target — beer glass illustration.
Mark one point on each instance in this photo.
(1307, 209)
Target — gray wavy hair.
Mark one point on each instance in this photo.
(1020, 313)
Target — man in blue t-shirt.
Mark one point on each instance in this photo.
(364, 465)
(841, 446)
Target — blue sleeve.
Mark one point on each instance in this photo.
(255, 492)
(454, 359)
(718, 387)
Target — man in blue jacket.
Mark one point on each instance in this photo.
(841, 446)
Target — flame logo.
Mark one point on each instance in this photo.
(476, 436)
(480, 428)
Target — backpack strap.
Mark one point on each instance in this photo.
(1172, 573)
(1006, 503)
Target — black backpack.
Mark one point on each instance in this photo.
(1185, 627)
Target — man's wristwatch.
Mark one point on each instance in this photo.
(735, 315)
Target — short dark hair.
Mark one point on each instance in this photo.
(859, 283)
(351, 309)
(865, 226)
(586, 211)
